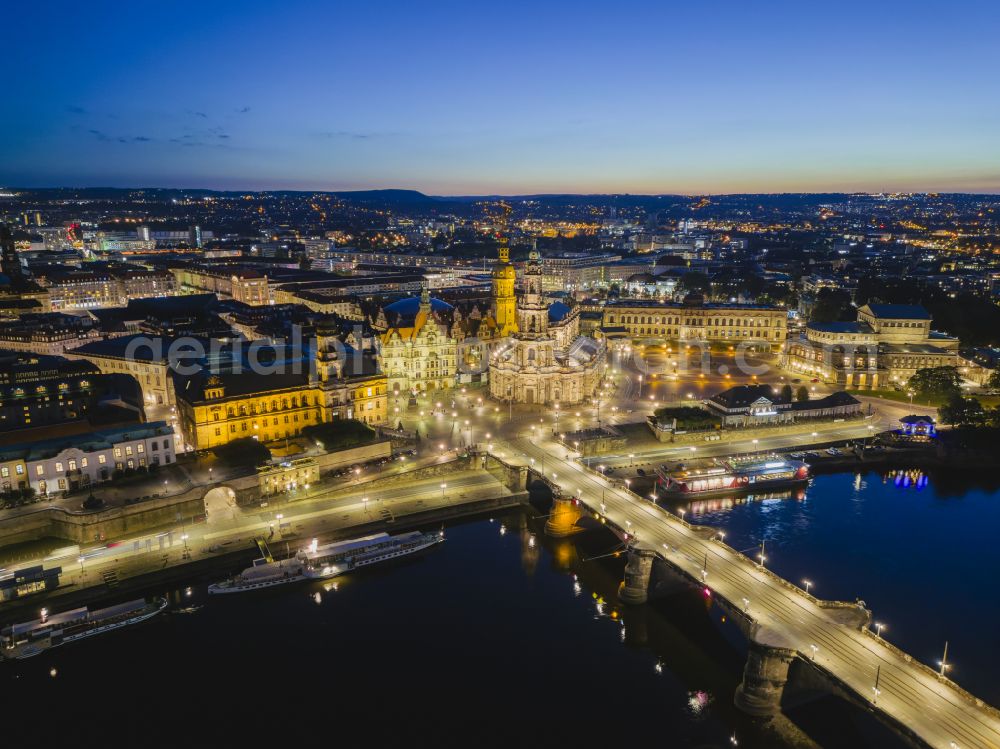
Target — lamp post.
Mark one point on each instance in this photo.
(878, 629)
(443, 487)
(944, 660)
(808, 584)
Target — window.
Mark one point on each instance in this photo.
(140, 448)
(166, 444)
(84, 462)
(102, 459)
(5, 472)
(19, 469)
(72, 465)
(118, 452)
(128, 449)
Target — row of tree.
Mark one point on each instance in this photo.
(968, 412)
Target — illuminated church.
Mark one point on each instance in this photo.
(546, 360)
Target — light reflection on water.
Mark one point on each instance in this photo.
(918, 549)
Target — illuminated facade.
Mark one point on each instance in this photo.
(504, 300)
(885, 346)
(693, 320)
(219, 408)
(418, 352)
(546, 361)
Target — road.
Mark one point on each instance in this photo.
(294, 522)
(937, 713)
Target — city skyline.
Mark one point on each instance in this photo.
(564, 99)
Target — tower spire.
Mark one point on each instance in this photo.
(504, 237)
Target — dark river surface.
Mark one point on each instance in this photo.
(501, 636)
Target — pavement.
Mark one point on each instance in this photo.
(293, 523)
(937, 713)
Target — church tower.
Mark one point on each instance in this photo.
(533, 312)
(504, 278)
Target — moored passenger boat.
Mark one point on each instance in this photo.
(31, 638)
(724, 477)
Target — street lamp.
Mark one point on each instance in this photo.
(878, 629)
(814, 649)
(808, 584)
(944, 660)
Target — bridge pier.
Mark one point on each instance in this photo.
(563, 518)
(638, 570)
(765, 674)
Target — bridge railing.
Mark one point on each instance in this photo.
(966, 696)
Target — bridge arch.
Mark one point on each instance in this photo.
(220, 503)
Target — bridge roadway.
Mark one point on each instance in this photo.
(910, 695)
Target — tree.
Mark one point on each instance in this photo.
(340, 433)
(695, 282)
(944, 381)
(243, 452)
(802, 394)
(688, 417)
(962, 411)
(786, 393)
(994, 382)
(832, 305)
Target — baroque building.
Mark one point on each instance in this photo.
(546, 360)
(884, 347)
(695, 320)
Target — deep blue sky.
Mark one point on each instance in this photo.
(469, 97)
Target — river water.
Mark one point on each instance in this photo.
(501, 636)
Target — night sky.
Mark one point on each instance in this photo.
(472, 98)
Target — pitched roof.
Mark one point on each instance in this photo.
(899, 311)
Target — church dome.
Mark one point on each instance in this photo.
(558, 311)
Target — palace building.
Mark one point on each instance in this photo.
(546, 360)
(694, 320)
(885, 346)
(216, 408)
(417, 350)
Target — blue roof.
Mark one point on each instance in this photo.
(558, 311)
(900, 311)
(411, 305)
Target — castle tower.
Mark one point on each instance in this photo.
(504, 279)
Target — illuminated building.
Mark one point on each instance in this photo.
(219, 408)
(73, 462)
(417, 352)
(694, 320)
(886, 345)
(546, 361)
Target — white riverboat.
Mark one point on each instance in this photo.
(27, 639)
(317, 562)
